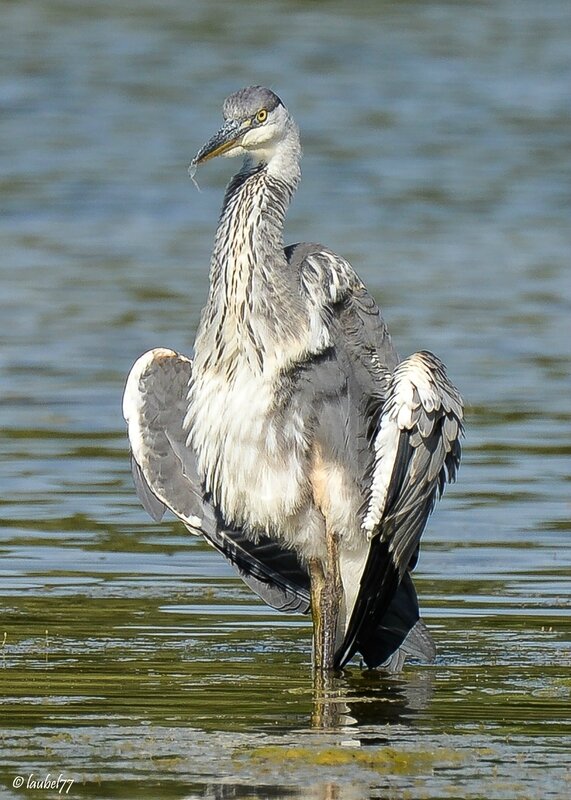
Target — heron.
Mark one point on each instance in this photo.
(296, 441)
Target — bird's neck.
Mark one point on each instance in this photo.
(246, 316)
(252, 221)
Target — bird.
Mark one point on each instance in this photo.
(296, 441)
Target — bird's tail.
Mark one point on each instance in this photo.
(396, 634)
(385, 623)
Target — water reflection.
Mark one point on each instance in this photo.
(234, 791)
(368, 698)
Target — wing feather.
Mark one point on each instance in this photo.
(422, 420)
(417, 451)
(154, 507)
(341, 303)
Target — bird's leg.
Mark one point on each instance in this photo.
(331, 595)
(317, 587)
(325, 595)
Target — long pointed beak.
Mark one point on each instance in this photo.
(225, 139)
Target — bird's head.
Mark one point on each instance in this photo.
(257, 126)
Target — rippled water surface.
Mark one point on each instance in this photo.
(438, 160)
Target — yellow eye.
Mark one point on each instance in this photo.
(261, 116)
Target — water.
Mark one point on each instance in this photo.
(438, 160)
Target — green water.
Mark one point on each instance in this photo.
(438, 159)
(133, 689)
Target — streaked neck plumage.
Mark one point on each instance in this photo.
(243, 317)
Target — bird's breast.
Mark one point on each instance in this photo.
(252, 452)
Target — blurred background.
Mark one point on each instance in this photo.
(437, 141)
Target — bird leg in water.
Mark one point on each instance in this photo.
(325, 596)
(317, 586)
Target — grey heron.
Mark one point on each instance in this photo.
(296, 442)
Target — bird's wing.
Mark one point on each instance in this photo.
(341, 304)
(416, 445)
(165, 474)
(154, 405)
(350, 375)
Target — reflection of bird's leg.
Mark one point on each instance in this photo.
(325, 710)
(325, 596)
(330, 710)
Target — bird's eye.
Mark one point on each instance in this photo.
(261, 116)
